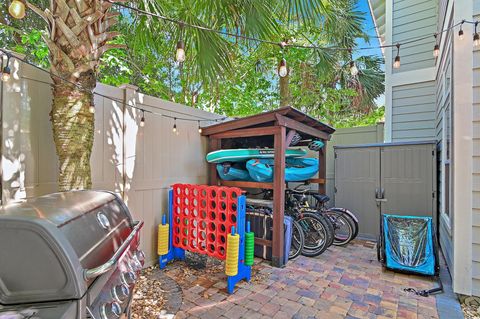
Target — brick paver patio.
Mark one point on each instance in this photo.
(344, 282)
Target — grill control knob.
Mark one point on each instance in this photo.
(135, 264)
(140, 257)
(128, 278)
(111, 310)
(120, 292)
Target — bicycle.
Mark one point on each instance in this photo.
(345, 223)
(317, 230)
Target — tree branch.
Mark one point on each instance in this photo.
(38, 11)
(107, 47)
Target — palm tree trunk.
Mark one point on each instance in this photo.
(77, 37)
(285, 96)
(73, 131)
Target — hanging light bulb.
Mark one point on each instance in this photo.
(174, 125)
(396, 64)
(353, 69)
(460, 32)
(199, 128)
(6, 72)
(282, 68)
(180, 55)
(142, 120)
(476, 37)
(91, 109)
(436, 48)
(17, 9)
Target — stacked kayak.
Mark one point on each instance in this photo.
(258, 164)
(296, 170)
(235, 172)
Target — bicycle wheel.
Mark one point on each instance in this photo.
(327, 222)
(298, 240)
(315, 230)
(352, 219)
(330, 230)
(343, 231)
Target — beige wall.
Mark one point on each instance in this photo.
(148, 159)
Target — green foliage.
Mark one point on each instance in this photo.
(372, 118)
(24, 36)
(233, 76)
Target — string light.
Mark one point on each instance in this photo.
(396, 64)
(476, 37)
(17, 9)
(180, 55)
(460, 32)
(436, 48)
(353, 68)
(142, 120)
(91, 109)
(282, 68)
(199, 128)
(174, 125)
(6, 70)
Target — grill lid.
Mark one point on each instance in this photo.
(47, 242)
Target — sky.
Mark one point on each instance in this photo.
(369, 28)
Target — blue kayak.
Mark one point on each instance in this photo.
(235, 172)
(297, 169)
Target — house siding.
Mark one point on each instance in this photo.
(476, 164)
(444, 103)
(411, 18)
(413, 112)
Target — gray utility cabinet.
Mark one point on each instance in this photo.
(396, 178)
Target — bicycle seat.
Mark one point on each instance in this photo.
(321, 198)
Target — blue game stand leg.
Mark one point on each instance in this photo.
(173, 252)
(244, 272)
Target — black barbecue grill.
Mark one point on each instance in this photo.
(68, 255)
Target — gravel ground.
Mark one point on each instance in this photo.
(148, 297)
(470, 306)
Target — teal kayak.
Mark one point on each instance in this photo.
(244, 154)
(235, 172)
(297, 169)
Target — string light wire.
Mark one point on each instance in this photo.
(276, 43)
(192, 118)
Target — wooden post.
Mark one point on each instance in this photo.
(214, 144)
(279, 198)
(322, 167)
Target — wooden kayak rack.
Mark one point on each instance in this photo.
(270, 129)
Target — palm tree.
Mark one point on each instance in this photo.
(78, 35)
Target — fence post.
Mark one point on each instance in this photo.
(129, 98)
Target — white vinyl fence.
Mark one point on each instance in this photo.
(139, 163)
